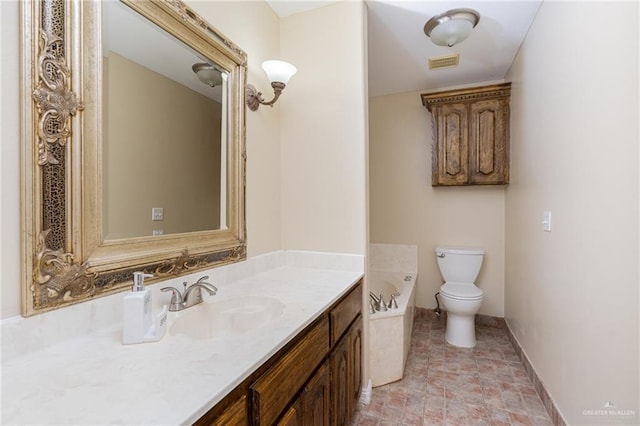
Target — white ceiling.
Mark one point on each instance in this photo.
(399, 49)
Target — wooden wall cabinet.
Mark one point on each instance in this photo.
(470, 135)
(313, 381)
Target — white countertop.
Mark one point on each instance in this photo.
(91, 378)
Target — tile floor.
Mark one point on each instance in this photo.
(446, 385)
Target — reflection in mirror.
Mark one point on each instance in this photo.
(164, 145)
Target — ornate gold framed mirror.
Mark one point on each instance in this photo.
(118, 175)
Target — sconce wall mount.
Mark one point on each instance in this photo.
(255, 99)
(279, 73)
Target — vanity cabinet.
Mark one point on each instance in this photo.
(470, 135)
(314, 380)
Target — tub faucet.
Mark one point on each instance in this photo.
(378, 302)
(192, 294)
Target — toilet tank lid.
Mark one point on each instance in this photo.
(460, 250)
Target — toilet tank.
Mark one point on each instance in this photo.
(459, 264)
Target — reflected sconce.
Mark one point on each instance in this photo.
(451, 27)
(207, 73)
(278, 73)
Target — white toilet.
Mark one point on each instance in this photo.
(461, 298)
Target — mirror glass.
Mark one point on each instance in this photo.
(165, 144)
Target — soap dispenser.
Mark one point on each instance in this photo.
(138, 324)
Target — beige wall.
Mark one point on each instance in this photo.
(162, 150)
(571, 295)
(406, 209)
(10, 255)
(324, 130)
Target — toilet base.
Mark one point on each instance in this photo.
(461, 330)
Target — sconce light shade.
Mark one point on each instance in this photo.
(207, 74)
(278, 73)
(451, 27)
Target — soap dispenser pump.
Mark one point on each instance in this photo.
(138, 324)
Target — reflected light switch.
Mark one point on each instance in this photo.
(546, 221)
(157, 213)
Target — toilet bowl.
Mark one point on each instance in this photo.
(459, 295)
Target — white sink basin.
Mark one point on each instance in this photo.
(230, 317)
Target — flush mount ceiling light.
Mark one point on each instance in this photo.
(207, 73)
(451, 27)
(278, 73)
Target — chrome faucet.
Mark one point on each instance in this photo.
(192, 295)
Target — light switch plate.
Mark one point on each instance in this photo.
(546, 221)
(157, 213)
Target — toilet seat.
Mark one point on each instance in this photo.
(461, 291)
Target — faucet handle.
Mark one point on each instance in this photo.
(176, 298)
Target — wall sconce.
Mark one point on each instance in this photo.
(451, 27)
(278, 73)
(207, 74)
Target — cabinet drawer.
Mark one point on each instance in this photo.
(276, 388)
(345, 312)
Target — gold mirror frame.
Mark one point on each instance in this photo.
(65, 258)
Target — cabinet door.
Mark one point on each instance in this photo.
(451, 147)
(315, 399)
(489, 142)
(355, 364)
(340, 396)
(293, 416)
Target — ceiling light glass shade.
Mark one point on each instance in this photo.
(207, 74)
(451, 32)
(451, 27)
(278, 71)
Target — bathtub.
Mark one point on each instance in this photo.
(390, 331)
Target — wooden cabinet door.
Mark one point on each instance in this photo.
(451, 147)
(311, 408)
(293, 416)
(489, 141)
(355, 364)
(315, 399)
(340, 396)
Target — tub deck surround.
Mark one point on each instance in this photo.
(393, 269)
(89, 377)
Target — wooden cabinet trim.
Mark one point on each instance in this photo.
(471, 94)
(343, 314)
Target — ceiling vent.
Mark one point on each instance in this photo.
(447, 61)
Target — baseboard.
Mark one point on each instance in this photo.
(486, 320)
(547, 401)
